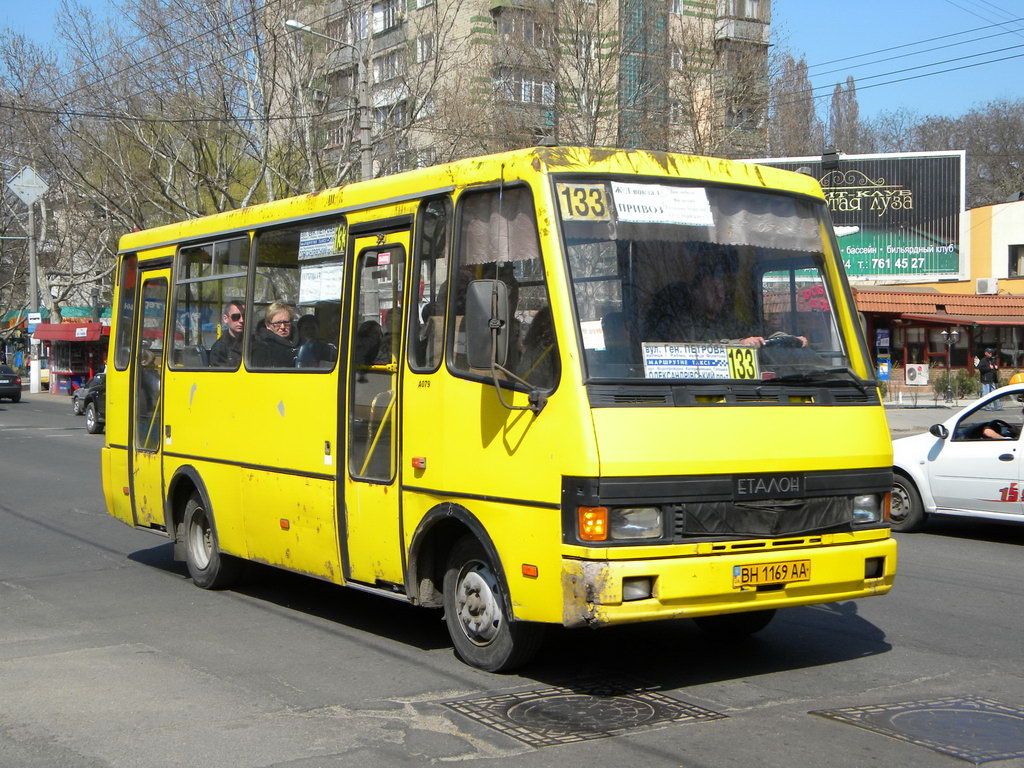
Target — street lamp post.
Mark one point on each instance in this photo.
(949, 338)
(365, 150)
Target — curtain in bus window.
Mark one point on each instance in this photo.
(499, 240)
(209, 305)
(296, 303)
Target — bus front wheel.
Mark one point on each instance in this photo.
(482, 632)
(208, 567)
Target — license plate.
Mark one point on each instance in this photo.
(782, 572)
(6, 381)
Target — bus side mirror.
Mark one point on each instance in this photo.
(939, 430)
(480, 320)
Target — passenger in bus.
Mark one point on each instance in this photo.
(226, 351)
(313, 352)
(273, 345)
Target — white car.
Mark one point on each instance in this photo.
(970, 465)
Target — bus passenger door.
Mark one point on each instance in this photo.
(372, 513)
(146, 439)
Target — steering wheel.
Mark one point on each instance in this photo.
(1000, 426)
(783, 340)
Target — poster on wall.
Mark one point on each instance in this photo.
(896, 215)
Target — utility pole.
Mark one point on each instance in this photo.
(29, 188)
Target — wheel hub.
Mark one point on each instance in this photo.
(477, 605)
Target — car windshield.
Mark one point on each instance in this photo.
(700, 283)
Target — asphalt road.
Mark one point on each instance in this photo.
(110, 657)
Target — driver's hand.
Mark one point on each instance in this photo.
(752, 341)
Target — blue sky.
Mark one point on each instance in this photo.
(836, 30)
(827, 31)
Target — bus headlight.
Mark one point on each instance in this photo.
(626, 523)
(867, 509)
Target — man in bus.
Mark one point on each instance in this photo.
(226, 351)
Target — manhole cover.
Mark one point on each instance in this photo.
(974, 729)
(562, 715)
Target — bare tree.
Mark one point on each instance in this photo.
(844, 129)
(794, 128)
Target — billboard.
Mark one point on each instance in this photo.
(897, 216)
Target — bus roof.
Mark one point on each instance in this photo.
(516, 164)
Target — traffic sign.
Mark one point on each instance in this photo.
(27, 186)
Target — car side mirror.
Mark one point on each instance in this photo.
(939, 430)
(480, 296)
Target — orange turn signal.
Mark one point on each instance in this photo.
(285, 524)
(530, 571)
(593, 523)
(886, 507)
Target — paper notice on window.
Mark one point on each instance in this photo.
(660, 204)
(322, 283)
(685, 361)
(316, 243)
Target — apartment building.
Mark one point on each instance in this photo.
(442, 79)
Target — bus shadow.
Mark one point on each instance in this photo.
(677, 654)
(391, 619)
(665, 655)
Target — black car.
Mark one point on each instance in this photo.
(78, 396)
(94, 403)
(10, 383)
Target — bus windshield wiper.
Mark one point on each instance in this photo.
(821, 377)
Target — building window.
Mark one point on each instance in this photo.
(1016, 266)
(358, 26)
(518, 25)
(337, 131)
(388, 66)
(741, 9)
(526, 89)
(424, 48)
(339, 83)
(424, 3)
(677, 7)
(386, 15)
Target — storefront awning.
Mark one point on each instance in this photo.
(71, 331)
(965, 319)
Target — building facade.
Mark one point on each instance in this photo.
(442, 79)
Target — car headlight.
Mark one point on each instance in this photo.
(867, 509)
(635, 523)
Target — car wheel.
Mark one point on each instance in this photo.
(734, 626)
(92, 420)
(208, 566)
(905, 512)
(483, 633)
(76, 406)
(16, 398)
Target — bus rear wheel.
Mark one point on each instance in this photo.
(483, 633)
(208, 567)
(734, 626)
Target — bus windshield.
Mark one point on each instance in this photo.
(700, 283)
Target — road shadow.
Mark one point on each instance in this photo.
(663, 655)
(404, 623)
(975, 529)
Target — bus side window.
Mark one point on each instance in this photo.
(127, 283)
(298, 276)
(498, 239)
(426, 326)
(209, 287)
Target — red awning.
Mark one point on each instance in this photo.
(71, 331)
(965, 319)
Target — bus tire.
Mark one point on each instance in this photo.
(483, 633)
(906, 512)
(92, 420)
(734, 626)
(208, 567)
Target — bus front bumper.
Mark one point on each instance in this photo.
(603, 592)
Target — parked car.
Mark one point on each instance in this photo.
(78, 396)
(970, 465)
(94, 405)
(10, 383)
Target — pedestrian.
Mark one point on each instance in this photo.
(988, 367)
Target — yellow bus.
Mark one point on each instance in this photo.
(554, 386)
